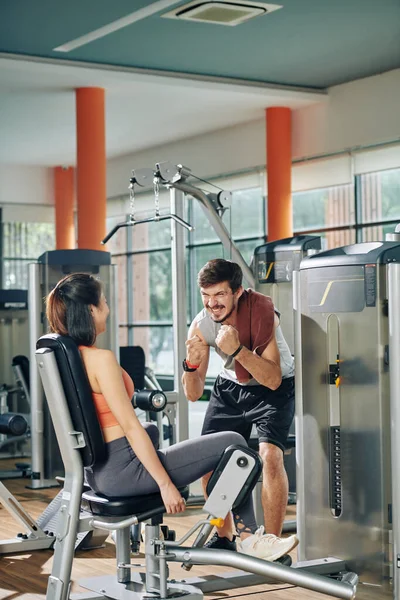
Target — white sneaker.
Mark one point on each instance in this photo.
(267, 545)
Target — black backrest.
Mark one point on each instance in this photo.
(23, 362)
(133, 360)
(78, 394)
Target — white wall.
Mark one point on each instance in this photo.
(358, 114)
(361, 113)
(223, 151)
(26, 193)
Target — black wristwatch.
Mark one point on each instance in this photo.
(186, 367)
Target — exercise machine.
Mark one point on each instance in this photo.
(40, 534)
(42, 277)
(81, 443)
(178, 180)
(273, 264)
(14, 394)
(347, 351)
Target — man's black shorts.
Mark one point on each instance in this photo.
(235, 407)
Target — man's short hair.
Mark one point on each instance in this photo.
(219, 270)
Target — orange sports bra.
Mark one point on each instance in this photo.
(104, 414)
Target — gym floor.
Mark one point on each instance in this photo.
(25, 576)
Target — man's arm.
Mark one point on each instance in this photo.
(197, 353)
(266, 369)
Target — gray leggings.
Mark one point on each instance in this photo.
(122, 474)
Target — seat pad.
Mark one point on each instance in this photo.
(127, 506)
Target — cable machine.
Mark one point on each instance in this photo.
(174, 178)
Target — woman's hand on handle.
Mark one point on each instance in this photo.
(173, 501)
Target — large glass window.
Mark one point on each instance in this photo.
(143, 255)
(328, 212)
(245, 222)
(324, 208)
(378, 204)
(379, 196)
(22, 244)
(341, 219)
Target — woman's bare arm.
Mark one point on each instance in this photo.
(111, 384)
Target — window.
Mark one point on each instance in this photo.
(245, 221)
(378, 204)
(373, 233)
(23, 243)
(328, 212)
(143, 256)
(148, 314)
(324, 208)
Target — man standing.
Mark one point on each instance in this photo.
(255, 387)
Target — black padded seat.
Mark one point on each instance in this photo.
(102, 506)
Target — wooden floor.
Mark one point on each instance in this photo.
(25, 575)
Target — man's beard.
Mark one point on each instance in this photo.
(226, 316)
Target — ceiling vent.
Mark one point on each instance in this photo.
(230, 13)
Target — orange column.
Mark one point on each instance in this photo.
(279, 170)
(91, 167)
(64, 193)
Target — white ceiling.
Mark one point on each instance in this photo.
(143, 109)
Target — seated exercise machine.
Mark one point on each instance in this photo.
(35, 537)
(15, 426)
(40, 534)
(81, 444)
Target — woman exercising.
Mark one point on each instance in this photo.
(77, 307)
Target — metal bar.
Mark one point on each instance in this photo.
(114, 328)
(2, 283)
(257, 566)
(218, 226)
(240, 579)
(36, 390)
(17, 511)
(129, 283)
(68, 519)
(394, 358)
(179, 310)
(289, 526)
(300, 483)
(122, 549)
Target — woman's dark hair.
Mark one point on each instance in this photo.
(68, 307)
(219, 270)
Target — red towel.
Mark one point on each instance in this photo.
(255, 324)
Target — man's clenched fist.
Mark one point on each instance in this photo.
(228, 339)
(195, 350)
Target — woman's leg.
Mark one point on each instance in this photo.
(124, 475)
(188, 461)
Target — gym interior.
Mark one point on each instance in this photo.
(139, 141)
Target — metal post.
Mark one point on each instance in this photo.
(299, 416)
(36, 390)
(69, 441)
(114, 337)
(179, 310)
(394, 358)
(2, 283)
(35, 305)
(219, 227)
(129, 283)
(283, 574)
